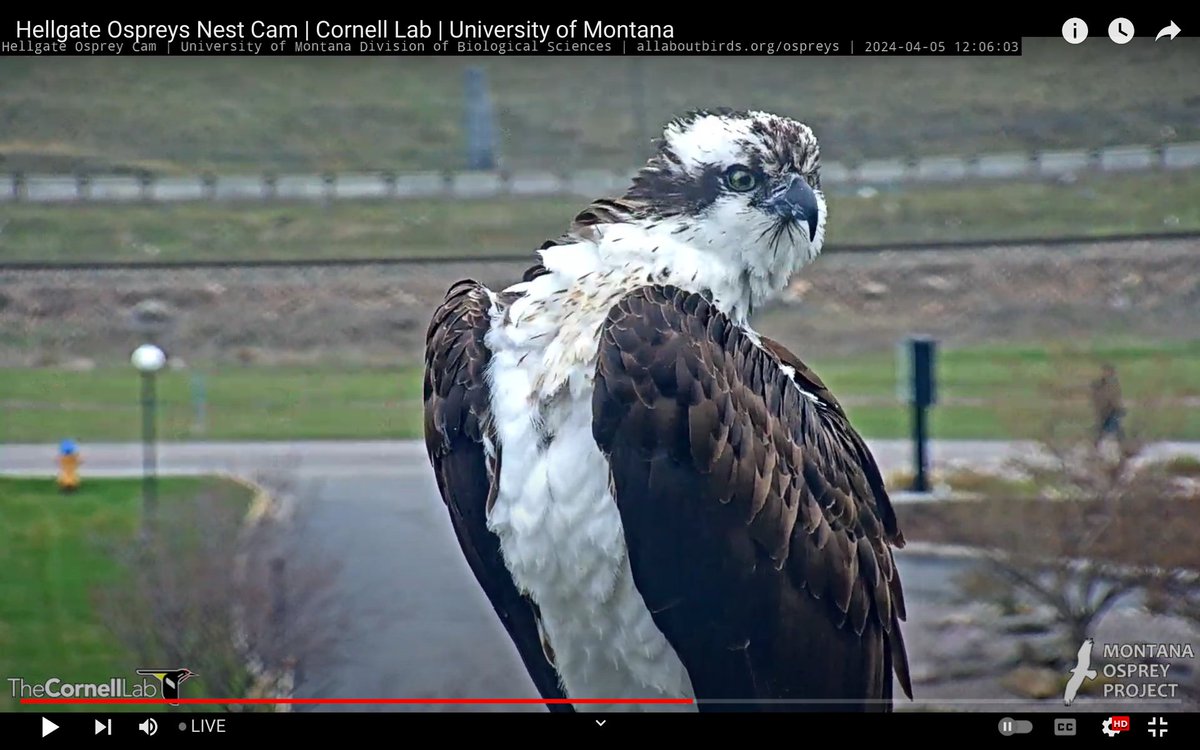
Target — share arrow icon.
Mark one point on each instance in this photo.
(1171, 31)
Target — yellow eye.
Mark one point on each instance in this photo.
(740, 179)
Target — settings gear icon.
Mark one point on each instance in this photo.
(1106, 727)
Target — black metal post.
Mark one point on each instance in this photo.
(149, 441)
(920, 459)
(919, 356)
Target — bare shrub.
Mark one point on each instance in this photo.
(207, 588)
(1102, 530)
(1083, 525)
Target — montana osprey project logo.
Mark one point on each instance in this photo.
(1081, 672)
(171, 679)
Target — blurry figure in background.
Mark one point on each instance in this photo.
(68, 466)
(1106, 399)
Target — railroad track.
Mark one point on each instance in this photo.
(1062, 241)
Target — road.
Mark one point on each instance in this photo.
(413, 624)
(406, 458)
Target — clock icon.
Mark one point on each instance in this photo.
(1120, 30)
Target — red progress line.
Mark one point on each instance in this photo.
(403, 701)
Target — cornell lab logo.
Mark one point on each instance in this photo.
(171, 680)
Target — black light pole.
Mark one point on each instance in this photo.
(149, 459)
(149, 359)
(920, 356)
(920, 454)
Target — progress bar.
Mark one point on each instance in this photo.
(351, 701)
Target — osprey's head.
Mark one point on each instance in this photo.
(739, 182)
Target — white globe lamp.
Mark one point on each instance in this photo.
(148, 358)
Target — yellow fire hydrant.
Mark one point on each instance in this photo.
(68, 466)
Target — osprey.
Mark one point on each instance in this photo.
(659, 502)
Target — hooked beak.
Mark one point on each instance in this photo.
(796, 201)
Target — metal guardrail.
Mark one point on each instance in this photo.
(146, 188)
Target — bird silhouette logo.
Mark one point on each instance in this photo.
(1081, 672)
(171, 679)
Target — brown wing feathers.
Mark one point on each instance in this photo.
(457, 418)
(854, 450)
(758, 527)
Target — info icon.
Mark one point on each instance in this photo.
(1064, 727)
(1075, 30)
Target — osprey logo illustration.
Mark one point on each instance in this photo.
(1081, 672)
(171, 679)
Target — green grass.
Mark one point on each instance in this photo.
(1026, 371)
(985, 392)
(204, 231)
(244, 114)
(52, 560)
(1095, 206)
(252, 403)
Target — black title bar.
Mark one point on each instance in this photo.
(746, 32)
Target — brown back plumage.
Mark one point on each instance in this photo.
(758, 526)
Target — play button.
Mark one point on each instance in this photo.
(48, 726)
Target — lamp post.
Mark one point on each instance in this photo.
(148, 359)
